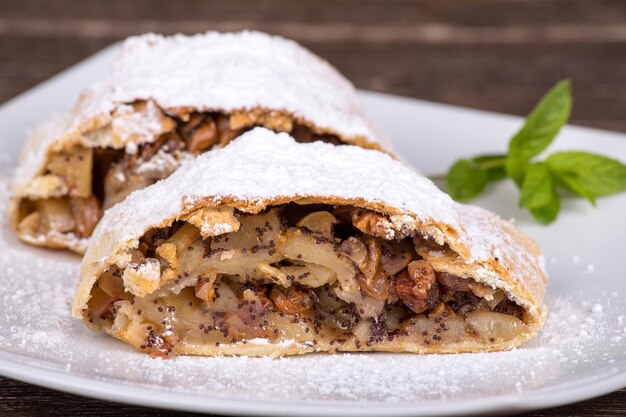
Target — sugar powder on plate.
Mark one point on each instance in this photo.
(36, 328)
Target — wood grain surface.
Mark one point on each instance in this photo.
(490, 54)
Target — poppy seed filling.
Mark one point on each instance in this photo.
(326, 277)
(81, 182)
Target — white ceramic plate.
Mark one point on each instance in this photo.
(580, 354)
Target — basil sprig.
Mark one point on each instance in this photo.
(585, 174)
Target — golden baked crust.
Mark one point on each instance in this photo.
(159, 80)
(269, 170)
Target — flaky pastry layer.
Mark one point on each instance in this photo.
(455, 255)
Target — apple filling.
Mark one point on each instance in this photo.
(65, 202)
(323, 277)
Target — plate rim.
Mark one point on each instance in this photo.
(136, 395)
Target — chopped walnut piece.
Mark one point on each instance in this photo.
(154, 161)
(395, 257)
(87, 213)
(120, 181)
(200, 133)
(372, 223)
(355, 249)
(452, 282)
(302, 134)
(225, 130)
(171, 142)
(376, 287)
(366, 256)
(372, 278)
(417, 286)
(286, 275)
(135, 256)
(507, 306)
(482, 290)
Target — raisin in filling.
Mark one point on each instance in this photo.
(325, 277)
(86, 181)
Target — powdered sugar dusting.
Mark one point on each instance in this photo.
(137, 127)
(234, 71)
(262, 165)
(163, 164)
(585, 332)
(212, 72)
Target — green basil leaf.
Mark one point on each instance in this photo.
(490, 161)
(496, 174)
(468, 177)
(493, 164)
(588, 174)
(464, 181)
(548, 213)
(572, 183)
(516, 168)
(541, 126)
(539, 194)
(537, 188)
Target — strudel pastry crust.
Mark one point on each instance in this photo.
(167, 100)
(271, 247)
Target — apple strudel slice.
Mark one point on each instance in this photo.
(271, 247)
(167, 100)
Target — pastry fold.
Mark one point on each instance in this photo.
(272, 247)
(167, 100)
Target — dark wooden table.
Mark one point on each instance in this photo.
(495, 55)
